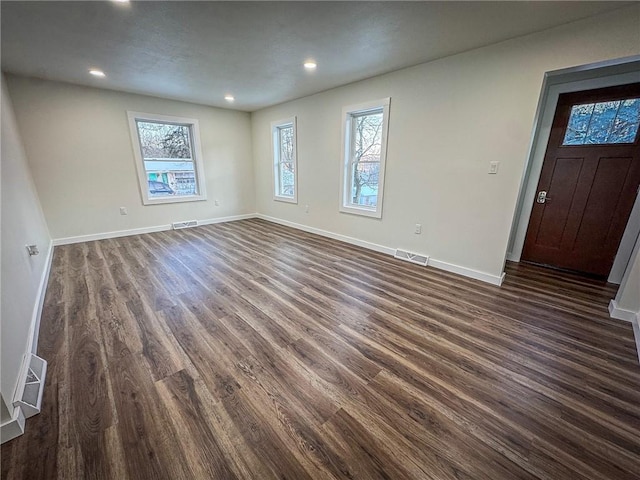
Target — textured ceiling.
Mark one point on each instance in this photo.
(200, 51)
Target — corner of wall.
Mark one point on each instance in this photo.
(22, 224)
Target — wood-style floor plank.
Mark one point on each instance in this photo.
(249, 350)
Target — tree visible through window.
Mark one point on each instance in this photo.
(168, 162)
(166, 152)
(364, 157)
(365, 163)
(284, 160)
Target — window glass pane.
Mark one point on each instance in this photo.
(367, 137)
(163, 183)
(287, 179)
(286, 143)
(625, 127)
(603, 123)
(602, 119)
(578, 124)
(364, 185)
(285, 160)
(164, 140)
(168, 162)
(366, 148)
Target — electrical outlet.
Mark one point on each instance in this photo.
(216, 202)
(418, 229)
(306, 209)
(493, 167)
(123, 211)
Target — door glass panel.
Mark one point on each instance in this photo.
(603, 123)
(625, 128)
(602, 119)
(578, 124)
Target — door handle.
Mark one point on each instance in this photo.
(542, 197)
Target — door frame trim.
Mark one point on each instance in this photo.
(585, 77)
(630, 237)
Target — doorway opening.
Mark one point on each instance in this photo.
(559, 93)
(589, 181)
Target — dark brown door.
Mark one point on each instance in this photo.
(589, 181)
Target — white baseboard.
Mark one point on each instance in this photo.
(620, 313)
(636, 334)
(233, 218)
(449, 267)
(17, 422)
(37, 311)
(628, 316)
(12, 428)
(468, 272)
(512, 257)
(105, 235)
(139, 231)
(325, 233)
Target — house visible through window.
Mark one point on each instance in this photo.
(285, 160)
(365, 131)
(167, 158)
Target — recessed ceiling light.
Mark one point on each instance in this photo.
(229, 98)
(121, 1)
(97, 72)
(310, 65)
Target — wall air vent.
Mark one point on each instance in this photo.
(411, 257)
(185, 224)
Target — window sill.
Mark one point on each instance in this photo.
(285, 199)
(362, 211)
(178, 199)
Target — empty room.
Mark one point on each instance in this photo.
(320, 240)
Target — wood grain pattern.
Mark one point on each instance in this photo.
(250, 350)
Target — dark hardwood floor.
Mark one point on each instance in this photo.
(250, 350)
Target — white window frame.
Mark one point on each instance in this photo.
(348, 114)
(275, 148)
(196, 153)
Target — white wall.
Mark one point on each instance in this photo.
(22, 223)
(80, 152)
(448, 119)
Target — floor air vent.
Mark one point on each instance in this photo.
(185, 224)
(29, 394)
(412, 257)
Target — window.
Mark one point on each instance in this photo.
(168, 158)
(603, 123)
(365, 130)
(285, 160)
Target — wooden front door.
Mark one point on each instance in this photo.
(589, 181)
